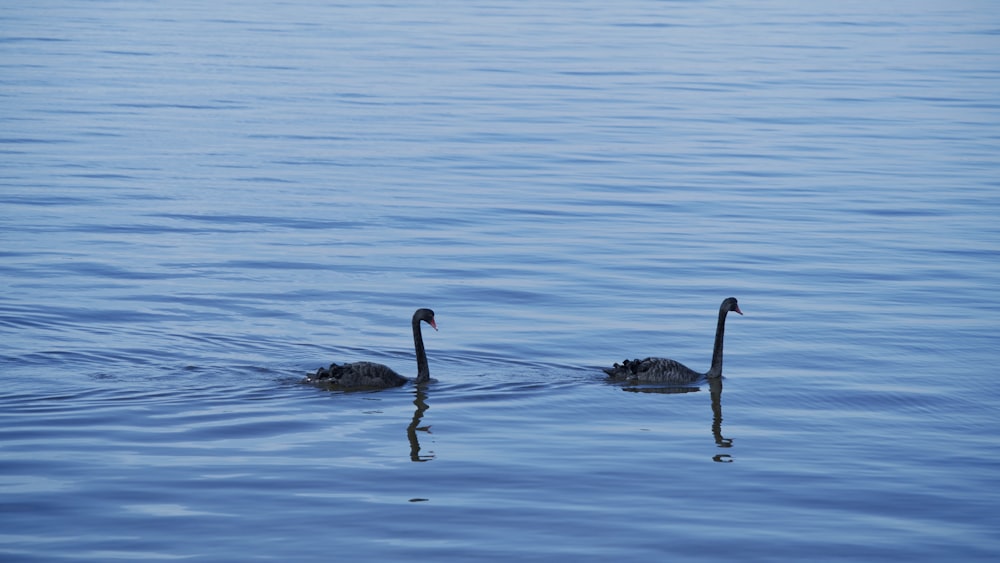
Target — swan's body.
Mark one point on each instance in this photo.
(369, 375)
(663, 370)
(359, 375)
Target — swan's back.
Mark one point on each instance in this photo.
(653, 370)
(359, 375)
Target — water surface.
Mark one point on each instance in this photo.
(201, 203)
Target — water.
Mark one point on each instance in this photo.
(201, 202)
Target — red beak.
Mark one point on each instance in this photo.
(435, 326)
(737, 309)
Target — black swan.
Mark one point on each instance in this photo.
(369, 375)
(663, 370)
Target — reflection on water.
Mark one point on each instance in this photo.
(411, 431)
(715, 389)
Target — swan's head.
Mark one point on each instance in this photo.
(730, 305)
(425, 315)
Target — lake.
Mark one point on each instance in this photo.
(202, 203)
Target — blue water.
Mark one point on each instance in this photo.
(201, 202)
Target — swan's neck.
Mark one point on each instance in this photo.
(423, 372)
(720, 331)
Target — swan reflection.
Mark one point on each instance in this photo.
(411, 431)
(715, 390)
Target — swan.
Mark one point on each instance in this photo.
(663, 370)
(369, 375)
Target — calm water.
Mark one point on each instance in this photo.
(200, 202)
